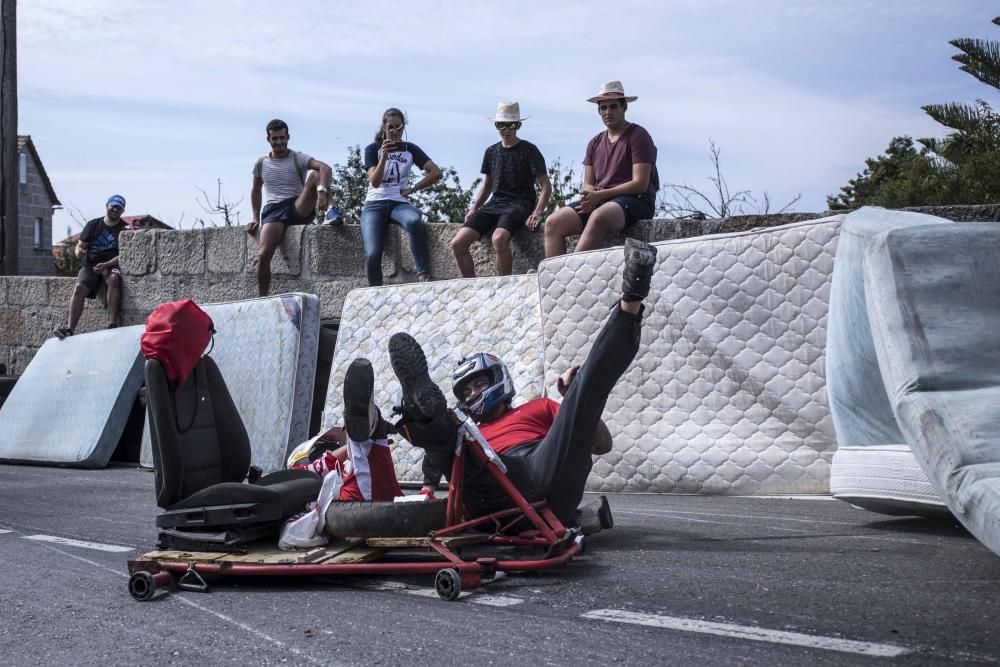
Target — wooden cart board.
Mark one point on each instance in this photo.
(417, 542)
(267, 553)
(185, 556)
(359, 554)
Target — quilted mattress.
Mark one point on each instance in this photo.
(933, 295)
(879, 472)
(70, 406)
(266, 349)
(727, 394)
(450, 319)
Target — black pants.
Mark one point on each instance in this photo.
(557, 466)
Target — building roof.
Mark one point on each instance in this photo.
(24, 142)
(141, 221)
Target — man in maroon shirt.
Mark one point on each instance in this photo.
(619, 179)
(546, 446)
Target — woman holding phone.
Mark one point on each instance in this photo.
(388, 162)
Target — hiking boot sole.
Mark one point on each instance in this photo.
(410, 365)
(640, 263)
(359, 411)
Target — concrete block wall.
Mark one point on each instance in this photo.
(220, 264)
(30, 308)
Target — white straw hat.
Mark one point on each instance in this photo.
(508, 112)
(612, 90)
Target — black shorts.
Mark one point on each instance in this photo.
(636, 207)
(94, 280)
(504, 214)
(283, 211)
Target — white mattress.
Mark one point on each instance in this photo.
(70, 405)
(450, 319)
(266, 350)
(861, 410)
(886, 479)
(933, 296)
(727, 394)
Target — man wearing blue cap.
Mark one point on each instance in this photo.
(98, 247)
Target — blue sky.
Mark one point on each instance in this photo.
(155, 99)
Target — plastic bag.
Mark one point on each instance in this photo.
(305, 530)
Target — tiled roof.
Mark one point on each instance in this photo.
(24, 142)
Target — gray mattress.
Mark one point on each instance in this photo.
(933, 297)
(727, 394)
(266, 350)
(450, 319)
(70, 406)
(874, 476)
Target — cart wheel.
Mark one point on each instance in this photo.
(142, 586)
(448, 584)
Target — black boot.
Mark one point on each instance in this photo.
(422, 399)
(361, 417)
(595, 516)
(640, 262)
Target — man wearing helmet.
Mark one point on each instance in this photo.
(546, 446)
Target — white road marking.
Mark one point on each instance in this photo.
(79, 543)
(222, 617)
(748, 632)
(2, 531)
(467, 596)
(683, 516)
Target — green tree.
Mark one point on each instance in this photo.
(902, 176)
(961, 168)
(566, 185)
(446, 200)
(350, 184)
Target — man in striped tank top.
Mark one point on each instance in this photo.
(288, 193)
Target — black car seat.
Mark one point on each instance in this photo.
(201, 455)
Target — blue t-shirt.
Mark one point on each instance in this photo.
(397, 170)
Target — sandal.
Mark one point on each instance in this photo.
(424, 278)
(63, 332)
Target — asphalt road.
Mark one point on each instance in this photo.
(679, 580)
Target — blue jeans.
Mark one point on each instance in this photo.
(375, 219)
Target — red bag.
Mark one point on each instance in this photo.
(177, 334)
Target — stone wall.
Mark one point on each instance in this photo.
(219, 264)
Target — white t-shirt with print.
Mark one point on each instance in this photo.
(397, 171)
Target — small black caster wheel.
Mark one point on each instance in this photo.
(448, 584)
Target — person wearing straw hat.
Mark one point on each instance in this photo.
(511, 169)
(619, 179)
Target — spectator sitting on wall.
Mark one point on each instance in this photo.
(98, 247)
(290, 197)
(511, 167)
(619, 179)
(388, 162)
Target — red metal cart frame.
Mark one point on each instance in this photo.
(452, 572)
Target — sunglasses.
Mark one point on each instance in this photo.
(394, 128)
(115, 207)
(508, 126)
(611, 105)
